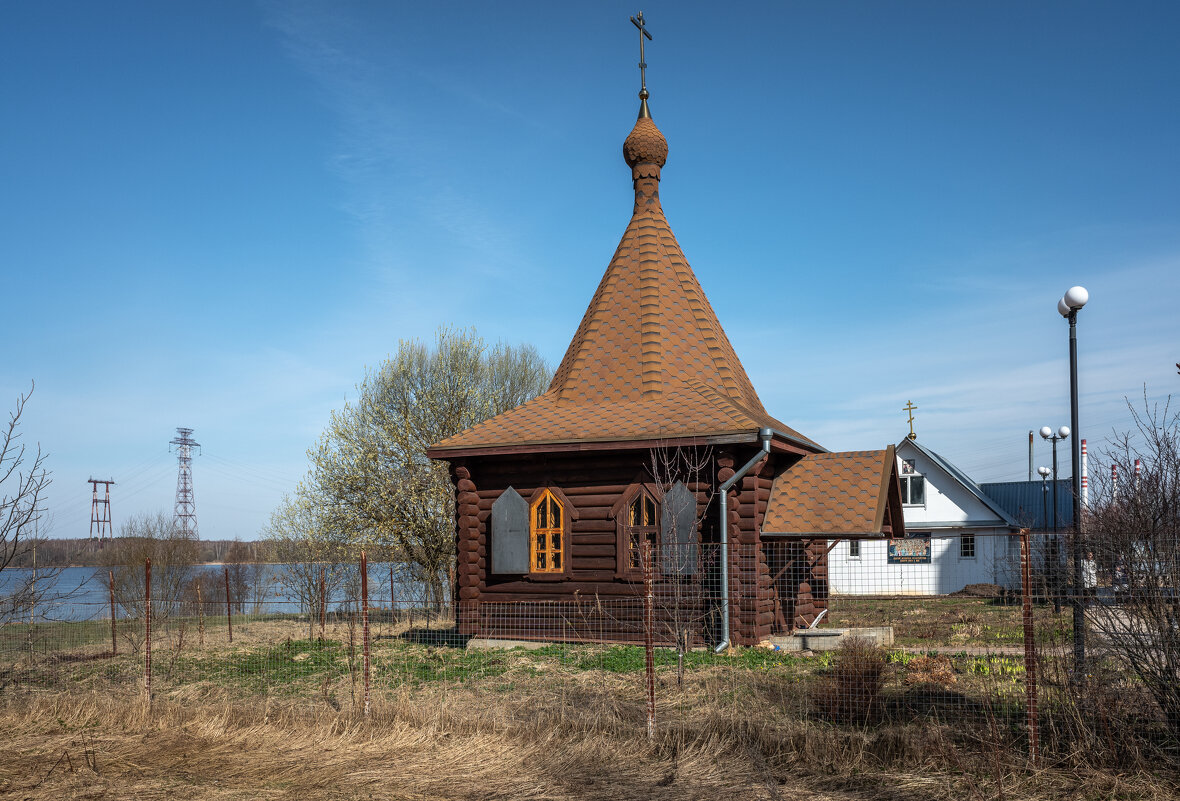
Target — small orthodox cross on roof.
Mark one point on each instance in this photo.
(639, 23)
(911, 408)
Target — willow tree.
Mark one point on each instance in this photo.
(370, 468)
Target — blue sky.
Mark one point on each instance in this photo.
(217, 214)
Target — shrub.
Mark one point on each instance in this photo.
(849, 692)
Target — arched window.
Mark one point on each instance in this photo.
(640, 523)
(546, 526)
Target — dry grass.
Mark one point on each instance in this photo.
(273, 716)
(200, 743)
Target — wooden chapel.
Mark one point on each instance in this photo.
(652, 432)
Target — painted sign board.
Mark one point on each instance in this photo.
(914, 549)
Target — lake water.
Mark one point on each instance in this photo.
(85, 595)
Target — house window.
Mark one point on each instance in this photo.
(545, 529)
(913, 485)
(967, 546)
(854, 549)
(643, 525)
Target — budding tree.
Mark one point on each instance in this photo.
(369, 468)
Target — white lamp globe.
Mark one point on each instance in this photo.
(1046, 432)
(1063, 432)
(1044, 471)
(1062, 308)
(1076, 297)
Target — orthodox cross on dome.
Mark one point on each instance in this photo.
(639, 23)
(911, 408)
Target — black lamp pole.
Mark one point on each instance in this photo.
(1069, 305)
(1055, 571)
(1054, 438)
(1079, 616)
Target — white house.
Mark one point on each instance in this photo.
(955, 536)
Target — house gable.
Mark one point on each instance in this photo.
(951, 498)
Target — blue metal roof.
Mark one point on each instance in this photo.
(1031, 505)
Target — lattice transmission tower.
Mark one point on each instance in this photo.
(100, 510)
(185, 516)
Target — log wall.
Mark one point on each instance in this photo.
(592, 484)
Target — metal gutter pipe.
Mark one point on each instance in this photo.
(765, 434)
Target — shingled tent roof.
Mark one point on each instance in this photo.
(649, 359)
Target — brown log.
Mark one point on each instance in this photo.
(468, 593)
(594, 513)
(612, 491)
(583, 549)
(593, 563)
(465, 485)
(594, 539)
(582, 525)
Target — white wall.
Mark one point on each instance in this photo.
(947, 572)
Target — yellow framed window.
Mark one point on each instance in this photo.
(546, 524)
(642, 526)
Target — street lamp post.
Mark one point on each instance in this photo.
(1069, 306)
(1055, 572)
(1044, 472)
(1054, 437)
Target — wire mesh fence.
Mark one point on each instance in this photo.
(970, 637)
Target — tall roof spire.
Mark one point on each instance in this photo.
(649, 359)
(639, 23)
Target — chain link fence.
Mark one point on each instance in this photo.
(948, 639)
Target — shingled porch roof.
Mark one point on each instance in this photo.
(650, 360)
(837, 495)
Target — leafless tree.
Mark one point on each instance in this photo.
(1132, 541)
(681, 566)
(23, 483)
(173, 555)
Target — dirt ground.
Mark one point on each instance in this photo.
(95, 746)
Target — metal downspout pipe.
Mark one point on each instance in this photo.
(765, 434)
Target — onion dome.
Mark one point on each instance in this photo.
(645, 144)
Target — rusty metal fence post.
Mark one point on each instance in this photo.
(114, 640)
(649, 596)
(323, 603)
(200, 617)
(1030, 650)
(147, 628)
(229, 621)
(365, 624)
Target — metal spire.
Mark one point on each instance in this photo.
(639, 23)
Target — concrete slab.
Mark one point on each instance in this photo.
(830, 639)
(487, 644)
